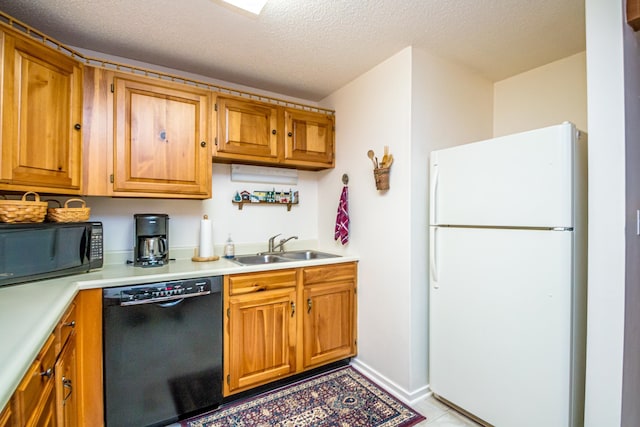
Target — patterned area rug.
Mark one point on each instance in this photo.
(341, 398)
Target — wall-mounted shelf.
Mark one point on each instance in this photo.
(247, 202)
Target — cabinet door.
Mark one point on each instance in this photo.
(161, 138)
(247, 130)
(41, 114)
(66, 376)
(6, 417)
(46, 416)
(309, 139)
(328, 325)
(261, 338)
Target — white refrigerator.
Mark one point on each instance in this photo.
(507, 297)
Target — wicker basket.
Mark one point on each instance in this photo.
(67, 214)
(23, 210)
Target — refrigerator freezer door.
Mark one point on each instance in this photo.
(518, 180)
(500, 324)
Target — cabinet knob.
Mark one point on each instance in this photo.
(273, 131)
(47, 373)
(203, 144)
(77, 126)
(71, 324)
(290, 134)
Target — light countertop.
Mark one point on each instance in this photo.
(29, 312)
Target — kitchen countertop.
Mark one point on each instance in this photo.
(29, 312)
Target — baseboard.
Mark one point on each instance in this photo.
(408, 397)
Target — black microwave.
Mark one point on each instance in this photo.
(45, 250)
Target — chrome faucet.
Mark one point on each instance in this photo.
(280, 245)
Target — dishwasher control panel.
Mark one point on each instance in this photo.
(159, 292)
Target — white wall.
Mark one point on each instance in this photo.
(631, 367)
(413, 102)
(545, 96)
(605, 325)
(253, 224)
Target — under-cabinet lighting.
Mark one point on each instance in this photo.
(253, 6)
(247, 173)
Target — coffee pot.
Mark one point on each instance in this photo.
(151, 240)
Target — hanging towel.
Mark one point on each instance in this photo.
(342, 219)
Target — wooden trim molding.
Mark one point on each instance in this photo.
(633, 14)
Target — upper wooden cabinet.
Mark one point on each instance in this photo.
(308, 139)
(246, 130)
(255, 132)
(161, 141)
(41, 138)
(146, 137)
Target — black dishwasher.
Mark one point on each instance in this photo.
(162, 351)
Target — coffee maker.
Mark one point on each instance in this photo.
(151, 240)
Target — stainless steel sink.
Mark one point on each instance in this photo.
(307, 255)
(289, 256)
(259, 259)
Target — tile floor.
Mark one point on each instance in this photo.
(438, 414)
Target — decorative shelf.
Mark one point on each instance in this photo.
(248, 202)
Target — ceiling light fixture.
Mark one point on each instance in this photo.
(253, 6)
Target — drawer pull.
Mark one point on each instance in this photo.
(47, 373)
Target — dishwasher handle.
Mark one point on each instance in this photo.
(168, 301)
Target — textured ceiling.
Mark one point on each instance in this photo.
(310, 48)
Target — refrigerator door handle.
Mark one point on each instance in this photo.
(433, 257)
(434, 194)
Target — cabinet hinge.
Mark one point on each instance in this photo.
(228, 312)
(113, 89)
(228, 379)
(215, 141)
(215, 106)
(111, 178)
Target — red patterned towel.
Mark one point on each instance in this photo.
(342, 219)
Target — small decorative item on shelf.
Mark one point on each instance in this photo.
(24, 210)
(271, 197)
(381, 170)
(67, 214)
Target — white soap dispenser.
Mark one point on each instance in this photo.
(229, 248)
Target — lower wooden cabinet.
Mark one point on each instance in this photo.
(6, 417)
(66, 381)
(43, 397)
(262, 335)
(283, 322)
(328, 323)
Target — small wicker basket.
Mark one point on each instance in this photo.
(23, 210)
(67, 214)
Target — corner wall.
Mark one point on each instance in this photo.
(545, 96)
(414, 103)
(605, 323)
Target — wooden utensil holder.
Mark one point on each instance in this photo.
(381, 176)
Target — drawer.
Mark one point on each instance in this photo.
(36, 380)
(329, 273)
(65, 327)
(264, 281)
